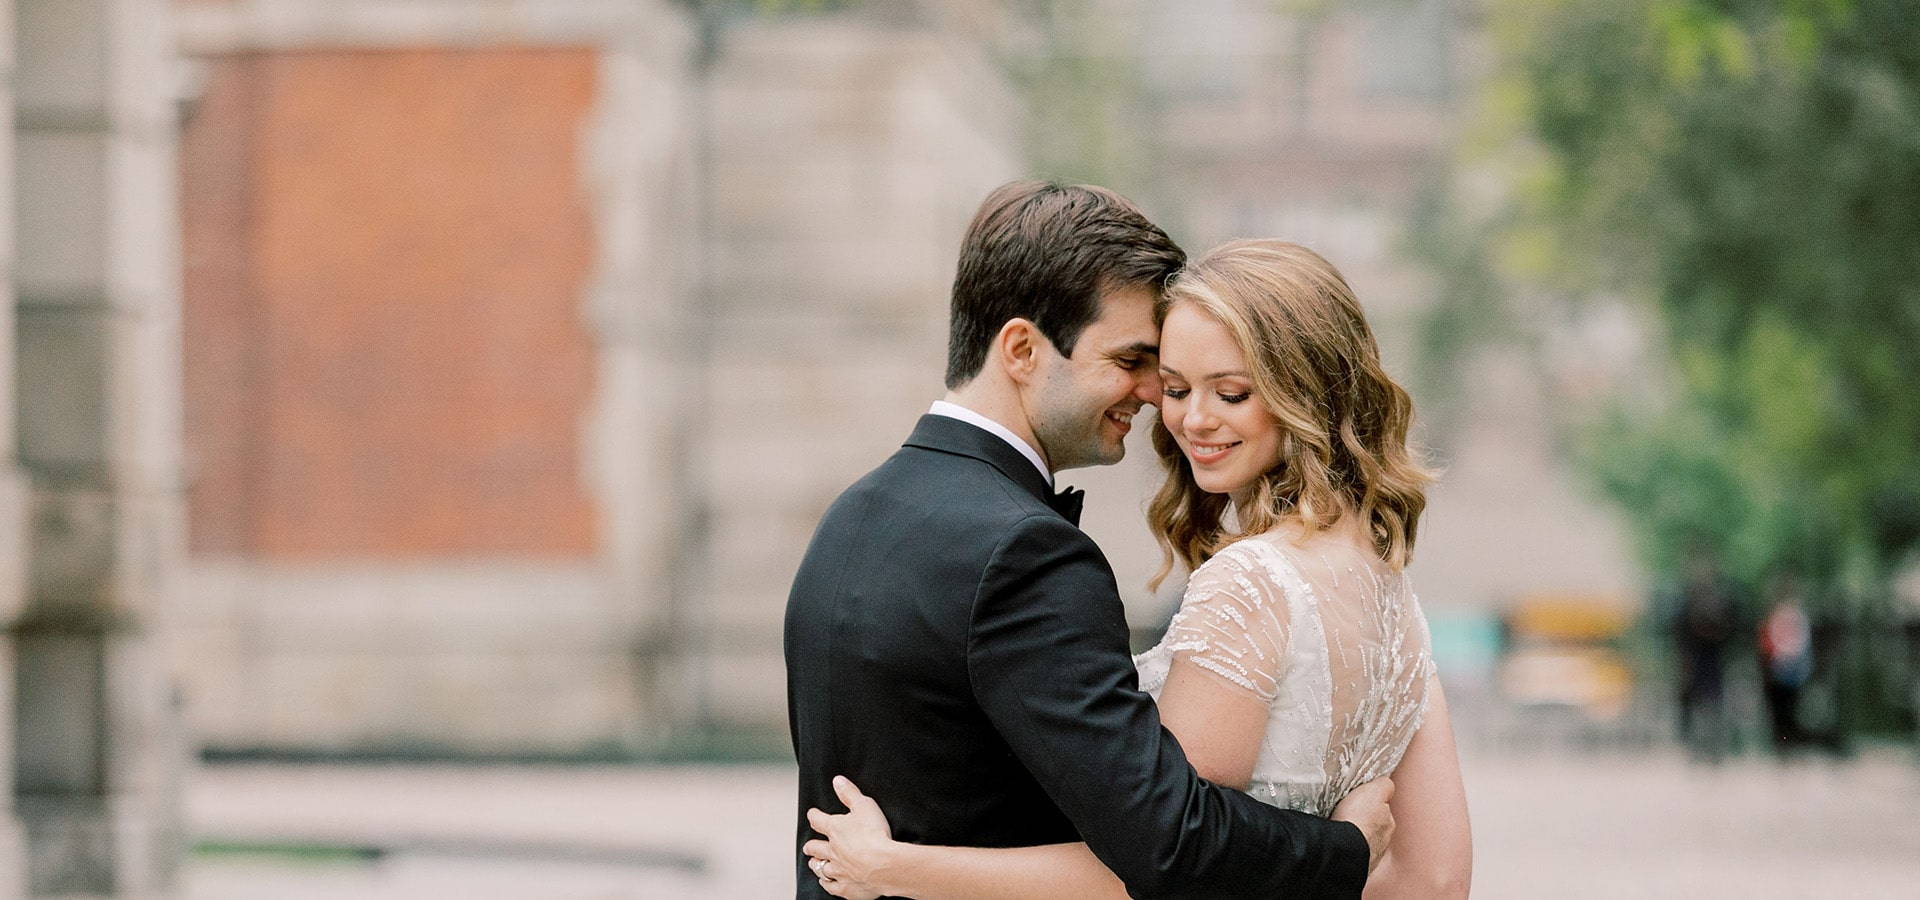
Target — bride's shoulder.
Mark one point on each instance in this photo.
(1253, 551)
(1285, 561)
(1253, 563)
(1237, 556)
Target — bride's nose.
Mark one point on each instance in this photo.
(1197, 420)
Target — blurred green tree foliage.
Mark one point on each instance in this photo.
(1751, 170)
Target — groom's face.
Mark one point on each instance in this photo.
(1084, 405)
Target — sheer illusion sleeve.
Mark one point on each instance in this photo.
(1424, 635)
(1234, 622)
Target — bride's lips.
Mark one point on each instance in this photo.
(1208, 454)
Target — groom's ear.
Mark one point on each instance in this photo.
(1017, 348)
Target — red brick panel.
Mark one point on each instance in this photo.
(221, 318)
(384, 311)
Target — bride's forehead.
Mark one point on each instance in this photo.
(1191, 334)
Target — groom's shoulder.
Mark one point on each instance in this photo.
(919, 483)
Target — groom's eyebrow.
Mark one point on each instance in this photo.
(1137, 348)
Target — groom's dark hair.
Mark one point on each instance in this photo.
(1044, 252)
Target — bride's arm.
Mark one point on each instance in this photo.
(1431, 854)
(980, 873)
(857, 857)
(1218, 724)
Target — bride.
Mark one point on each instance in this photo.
(1298, 665)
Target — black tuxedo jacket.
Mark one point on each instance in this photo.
(957, 647)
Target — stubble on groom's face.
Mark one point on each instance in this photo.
(1085, 405)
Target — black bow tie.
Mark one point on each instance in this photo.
(1068, 503)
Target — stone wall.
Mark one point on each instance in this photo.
(95, 345)
(13, 490)
(434, 252)
(773, 219)
(846, 159)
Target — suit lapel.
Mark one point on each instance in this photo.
(944, 434)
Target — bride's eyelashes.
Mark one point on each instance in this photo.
(1181, 394)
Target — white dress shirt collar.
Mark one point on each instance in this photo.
(956, 411)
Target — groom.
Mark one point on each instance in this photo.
(956, 645)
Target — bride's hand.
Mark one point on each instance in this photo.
(852, 859)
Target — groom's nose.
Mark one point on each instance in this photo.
(1147, 388)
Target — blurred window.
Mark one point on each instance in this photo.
(386, 253)
(1202, 48)
(1404, 50)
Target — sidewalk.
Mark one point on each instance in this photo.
(552, 833)
(1544, 826)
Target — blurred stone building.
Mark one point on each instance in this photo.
(525, 342)
(91, 518)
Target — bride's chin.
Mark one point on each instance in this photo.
(1213, 487)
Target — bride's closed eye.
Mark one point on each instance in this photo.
(1181, 394)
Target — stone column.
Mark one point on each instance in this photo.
(641, 163)
(13, 876)
(846, 155)
(97, 331)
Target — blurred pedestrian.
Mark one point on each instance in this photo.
(1785, 644)
(1703, 633)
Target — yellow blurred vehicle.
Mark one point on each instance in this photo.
(1561, 652)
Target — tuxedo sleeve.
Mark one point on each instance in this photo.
(1049, 664)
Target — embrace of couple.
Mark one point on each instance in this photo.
(958, 669)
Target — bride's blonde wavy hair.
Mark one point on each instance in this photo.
(1316, 369)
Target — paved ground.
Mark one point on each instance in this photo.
(1611, 825)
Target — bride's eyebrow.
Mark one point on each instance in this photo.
(1214, 377)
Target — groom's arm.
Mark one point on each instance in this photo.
(1049, 663)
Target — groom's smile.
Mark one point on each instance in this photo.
(1091, 397)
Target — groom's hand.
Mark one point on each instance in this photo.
(1366, 807)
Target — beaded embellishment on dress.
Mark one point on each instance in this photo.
(1330, 637)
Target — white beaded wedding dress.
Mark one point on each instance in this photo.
(1329, 636)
